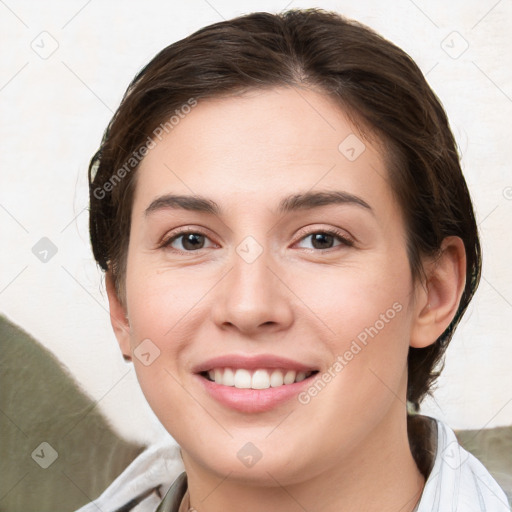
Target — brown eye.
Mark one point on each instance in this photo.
(327, 240)
(193, 241)
(186, 241)
(322, 241)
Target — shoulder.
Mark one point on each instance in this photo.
(459, 480)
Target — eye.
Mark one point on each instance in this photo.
(325, 239)
(186, 241)
(190, 241)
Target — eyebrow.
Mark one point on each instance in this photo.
(295, 202)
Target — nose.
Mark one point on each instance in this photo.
(252, 298)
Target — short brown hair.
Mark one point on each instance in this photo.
(374, 80)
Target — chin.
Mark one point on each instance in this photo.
(254, 463)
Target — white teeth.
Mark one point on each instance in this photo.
(276, 379)
(300, 376)
(229, 377)
(242, 379)
(289, 377)
(259, 379)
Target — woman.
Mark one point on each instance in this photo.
(289, 244)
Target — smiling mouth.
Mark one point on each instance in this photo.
(255, 379)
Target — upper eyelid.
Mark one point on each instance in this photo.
(177, 232)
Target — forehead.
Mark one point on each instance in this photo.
(260, 144)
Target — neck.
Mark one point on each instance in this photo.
(380, 475)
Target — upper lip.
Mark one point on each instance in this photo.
(251, 363)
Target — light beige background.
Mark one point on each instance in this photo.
(55, 106)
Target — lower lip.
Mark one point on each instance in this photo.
(253, 400)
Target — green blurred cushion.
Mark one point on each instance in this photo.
(41, 403)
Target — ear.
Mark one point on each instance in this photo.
(437, 299)
(118, 317)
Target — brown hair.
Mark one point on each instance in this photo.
(378, 84)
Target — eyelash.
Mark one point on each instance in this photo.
(333, 232)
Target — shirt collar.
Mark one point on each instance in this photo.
(173, 498)
(458, 482)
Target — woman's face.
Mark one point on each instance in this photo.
(266, 248)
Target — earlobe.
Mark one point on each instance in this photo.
(118, 317)
(438, 299)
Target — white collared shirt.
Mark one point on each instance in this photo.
(458, 481)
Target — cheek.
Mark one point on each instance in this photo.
(367, 314)
(166, 307)
(359, 300)
(161, 301)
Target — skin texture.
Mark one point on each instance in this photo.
(348, 446)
